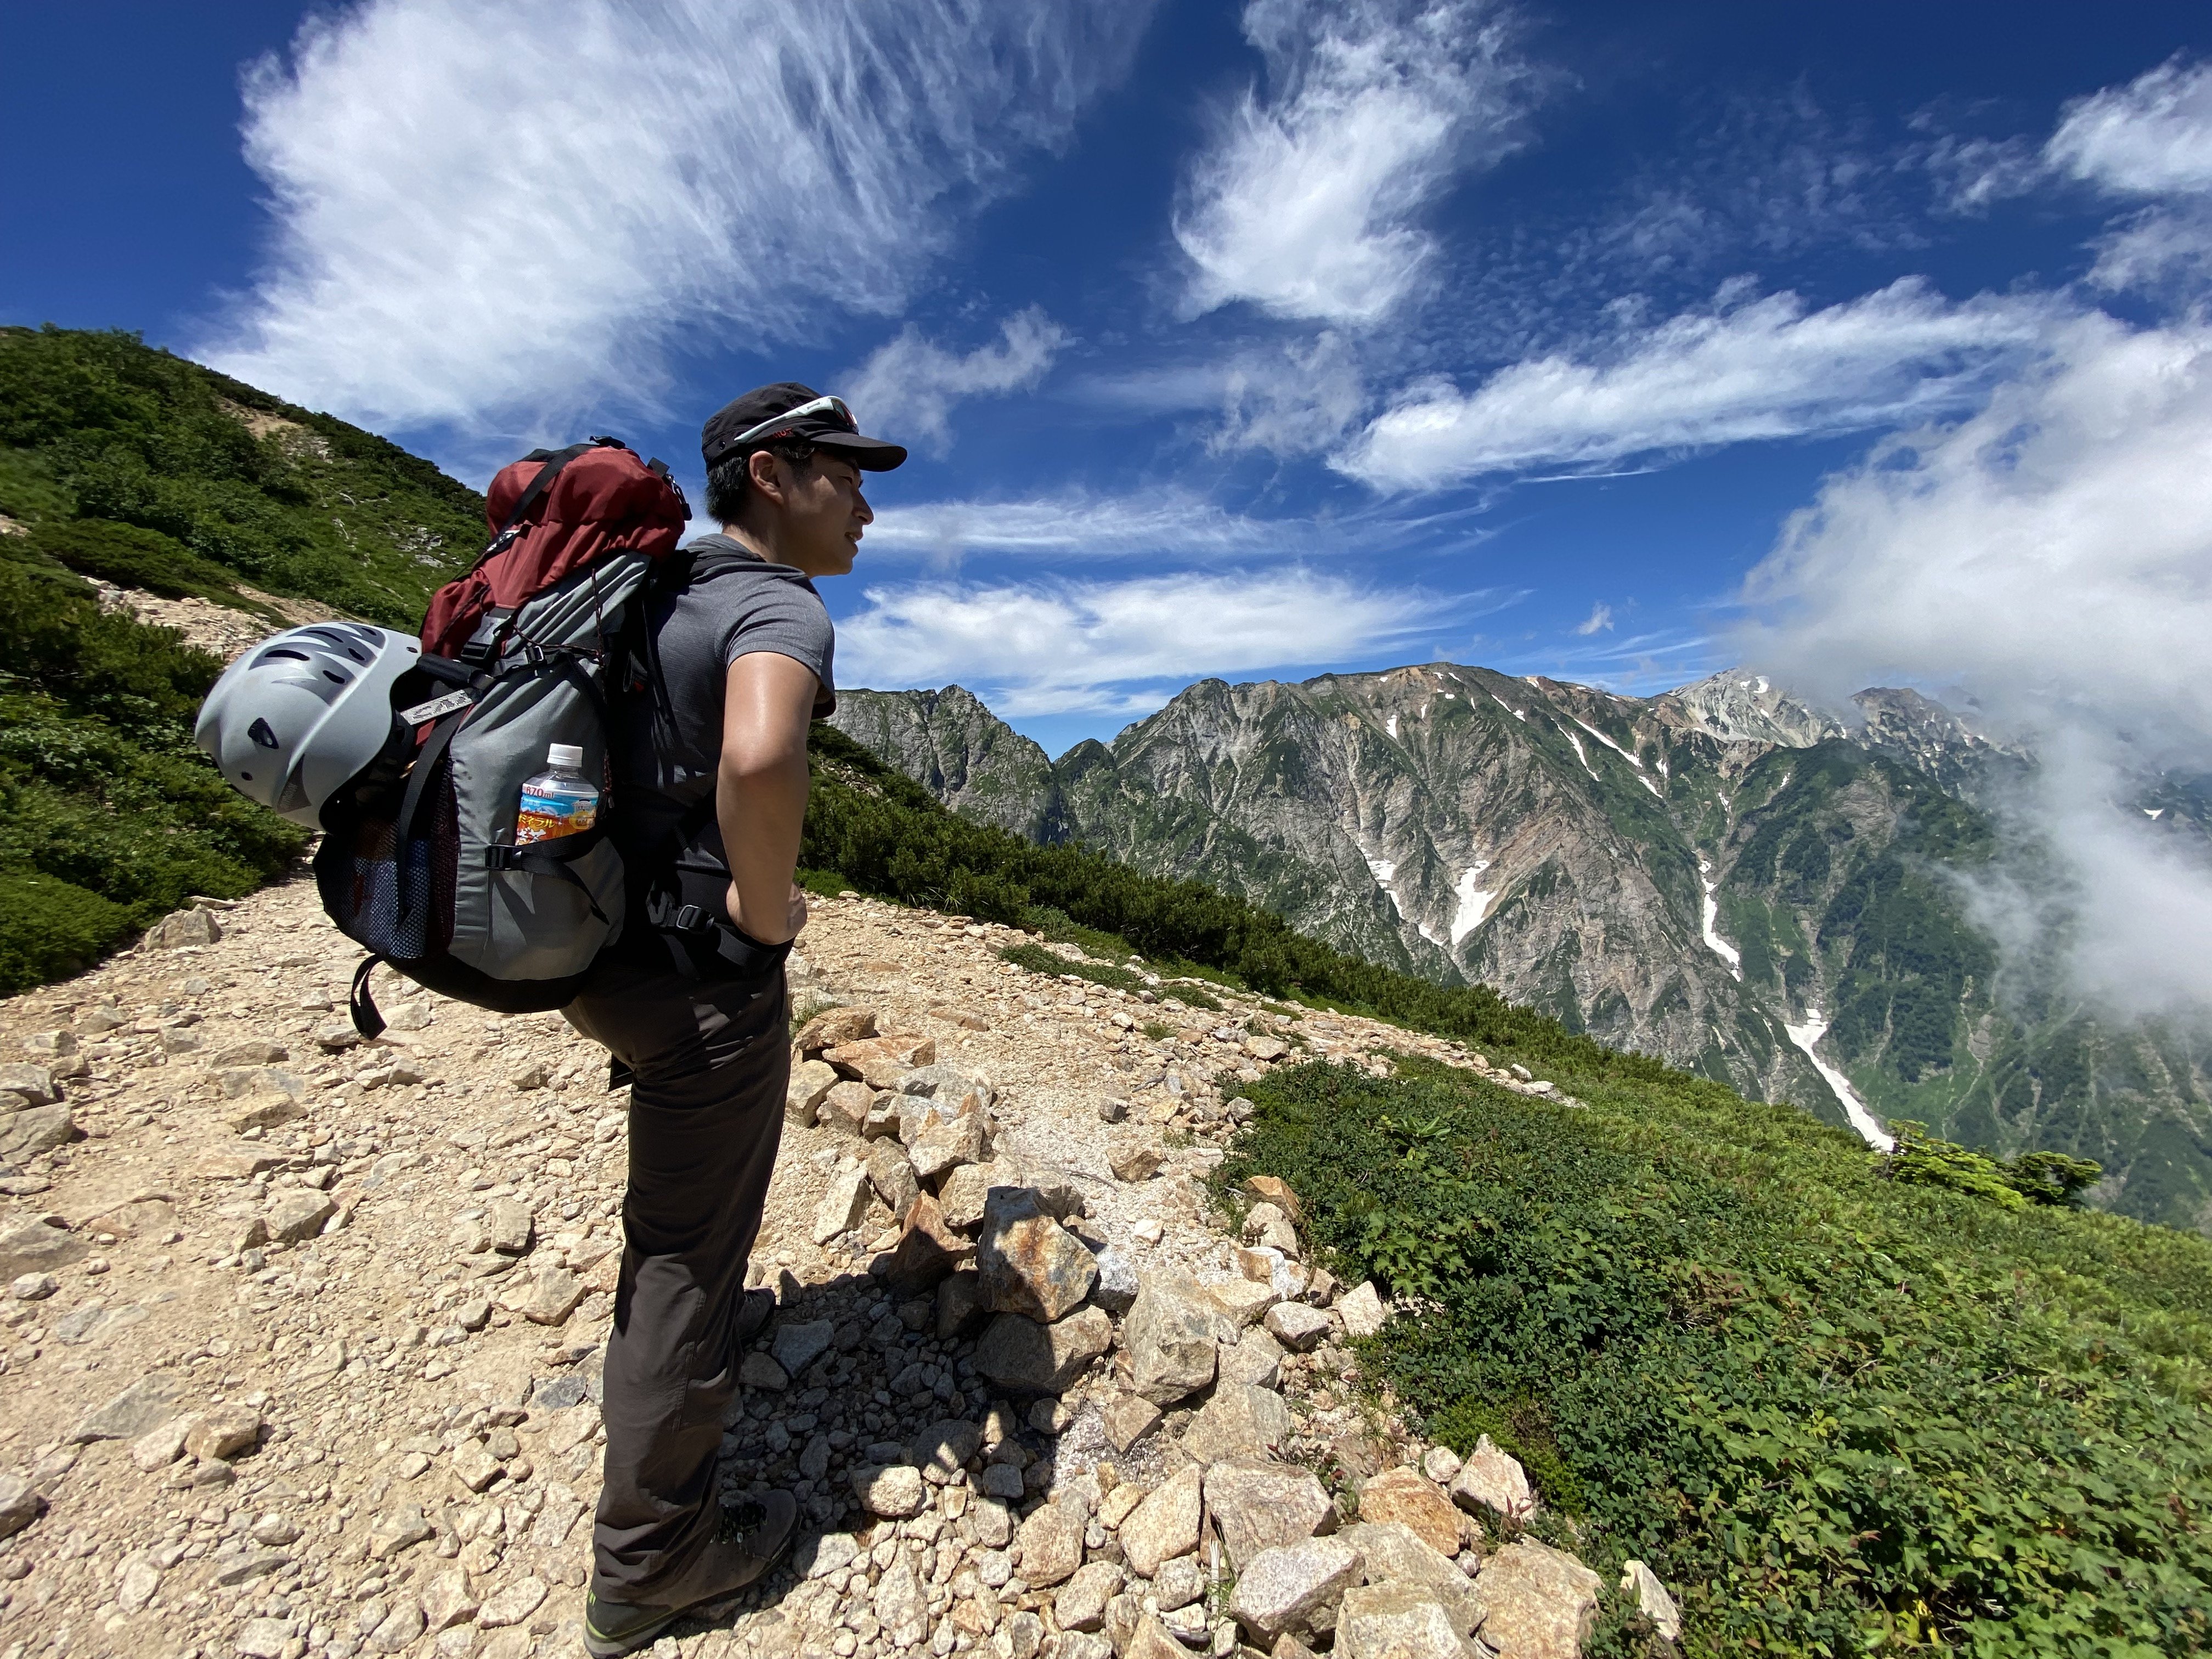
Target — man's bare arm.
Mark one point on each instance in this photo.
(760, 790)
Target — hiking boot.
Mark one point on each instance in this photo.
(753, 1310)
(753, 1534)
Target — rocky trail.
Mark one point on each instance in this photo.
(301, 1333)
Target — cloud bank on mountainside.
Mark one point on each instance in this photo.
(2051, 555)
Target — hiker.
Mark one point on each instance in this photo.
(661, 929)
(744, 650)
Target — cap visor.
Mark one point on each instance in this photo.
(869, 454)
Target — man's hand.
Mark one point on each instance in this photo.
(797, 916)
(760, 790)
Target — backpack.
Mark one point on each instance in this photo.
(418, 863)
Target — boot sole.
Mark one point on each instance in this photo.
(601, 1646)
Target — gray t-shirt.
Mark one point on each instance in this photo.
(722, 602)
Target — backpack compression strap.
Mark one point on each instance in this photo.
(744, 956)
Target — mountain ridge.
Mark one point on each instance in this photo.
(1719, 875)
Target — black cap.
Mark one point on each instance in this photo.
(750, 422)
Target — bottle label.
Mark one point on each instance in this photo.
(546, 815)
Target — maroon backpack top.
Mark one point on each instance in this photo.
(550, 515)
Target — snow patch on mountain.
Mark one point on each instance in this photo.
(1863, 1119)
(1579, 756)
(1473, 903)
(1719, 946)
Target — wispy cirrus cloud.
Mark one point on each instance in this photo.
(1305, 203)
(1120, 648)
(2150, 137)
(1743, 371)
(492, 218)
(911, 382)
(2148, 140)
(1168, 520)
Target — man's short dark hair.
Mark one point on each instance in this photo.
(730, 480)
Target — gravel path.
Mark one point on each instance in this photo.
(300, 1355)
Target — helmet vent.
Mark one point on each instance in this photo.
(260, 733)
(276, 651)
(337, 678)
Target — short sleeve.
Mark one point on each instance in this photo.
(789, 619)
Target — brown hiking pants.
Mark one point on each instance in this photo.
(711, 1063)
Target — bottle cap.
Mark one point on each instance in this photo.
(567, 755)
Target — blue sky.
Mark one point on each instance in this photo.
(1248, 341)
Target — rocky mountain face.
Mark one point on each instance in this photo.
(1719, 875)
(961, 752)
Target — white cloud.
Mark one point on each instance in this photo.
(1767, 368)
(1973, 174)
(2150, 137)
(912, 383)
(1303, 203)
(1287, 398)
(1297, 400)
(1121, 647)
(1165, 520)
(2051, 556)
(1600, 621)
(495, 217)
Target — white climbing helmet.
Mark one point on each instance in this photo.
(300, 715)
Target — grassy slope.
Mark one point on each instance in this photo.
(1840, 1412)
(129, 464)
(159, 457)
(109, 816)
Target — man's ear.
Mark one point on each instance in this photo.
(761, 468)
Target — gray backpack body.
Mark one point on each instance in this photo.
(419, 863)
(423, 870)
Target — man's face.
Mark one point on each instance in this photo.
(823, 516)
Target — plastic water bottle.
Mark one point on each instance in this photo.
(560, 800)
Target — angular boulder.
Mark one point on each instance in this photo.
(146, 1404)
(34, 1083)
(1280, 1590)
(1030, 1263)
(1536, 1603)
(941, 1450)
(1255, 1360)
(1652, 1599)
(880, 1061)
(834, 1026)
(844, 1204)
(1362, 1310)
(1025, 1358)
(927, 1251)
(1164, 1525)
(892, 1176)
(1396, 1621)
(1410, 1498)
(1392, 1554)
(1260, 1506)
(1240, 1420)
(947, 1143)
(811, 1081)
(1049, 1546)
(844, 1110)
(40, 1129)
(1172, 1335)
(1296, 1327)
(1493, 1480)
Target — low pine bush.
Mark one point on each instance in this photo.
(109, 816)
(1838, 1412)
